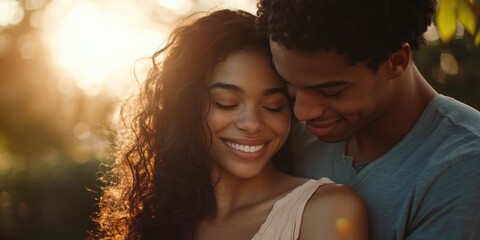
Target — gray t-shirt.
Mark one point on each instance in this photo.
(426, 187)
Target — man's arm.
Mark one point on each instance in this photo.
(450, 208)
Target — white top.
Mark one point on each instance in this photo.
(284, 220)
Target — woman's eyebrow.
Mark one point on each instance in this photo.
(235, 88)
(226, 86)
(275, 90)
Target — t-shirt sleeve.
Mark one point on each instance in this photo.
(450, 205)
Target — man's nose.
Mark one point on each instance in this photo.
(308, 104)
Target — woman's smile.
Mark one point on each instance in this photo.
(245, 149)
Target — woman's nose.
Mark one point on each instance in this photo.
(250, 121)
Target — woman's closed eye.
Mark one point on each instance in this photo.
(274, 108)
(224, 106)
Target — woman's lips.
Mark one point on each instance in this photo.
(246, 150)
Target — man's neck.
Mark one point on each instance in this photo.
(382, 134)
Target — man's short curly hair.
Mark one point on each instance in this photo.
(364, 30)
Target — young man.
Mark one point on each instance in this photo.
(411, 153)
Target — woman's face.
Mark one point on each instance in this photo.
(250, 118)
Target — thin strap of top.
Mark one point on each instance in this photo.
(284, 220)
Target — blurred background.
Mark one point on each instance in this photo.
(65, 65)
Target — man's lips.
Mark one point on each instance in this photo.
(322, 128)
(323, 124)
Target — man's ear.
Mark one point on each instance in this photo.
(398, 61)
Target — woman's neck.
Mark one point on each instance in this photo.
(233, 193)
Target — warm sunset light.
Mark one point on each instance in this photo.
(67, 68)
(97, 44)
(11, 13)
(178, 6)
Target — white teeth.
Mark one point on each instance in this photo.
(245, 148)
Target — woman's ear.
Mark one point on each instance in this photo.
(398, 61)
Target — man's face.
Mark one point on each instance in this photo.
(335, 98)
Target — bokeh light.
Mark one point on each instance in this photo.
(449, 64)
(34, 4)
(431, 35)
(179, 7)
(11, 13)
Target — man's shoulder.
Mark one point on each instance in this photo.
(464, 118)
(453, 144)
(449, 132)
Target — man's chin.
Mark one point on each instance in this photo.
(333, 139)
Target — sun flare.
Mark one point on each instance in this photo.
(97, 45)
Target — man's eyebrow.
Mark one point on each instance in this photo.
(316, 86)
(328, 84)
(337, 83)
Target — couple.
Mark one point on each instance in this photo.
(213, 125)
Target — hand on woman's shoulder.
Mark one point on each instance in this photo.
(334, 212)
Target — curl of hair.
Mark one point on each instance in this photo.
(161, 185)
(366, 30)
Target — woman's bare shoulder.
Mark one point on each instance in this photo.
(335, 195)
(334, 212)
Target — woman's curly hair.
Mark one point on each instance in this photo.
(364, 30)
(161, 185)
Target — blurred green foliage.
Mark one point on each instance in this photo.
(52, 142)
